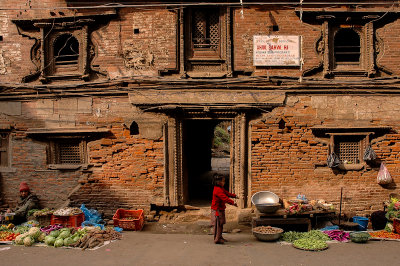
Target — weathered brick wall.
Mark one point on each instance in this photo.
(290, 161)
(120, 52)
(259, 21)
(125, 171)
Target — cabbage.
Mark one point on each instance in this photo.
(34, 232)
(59, 243)
(19, 240)
(68, 241)
(41, 237)
(64, 234)
(55, 233)
(49, 240)
(65, 229)
(28, 241)
(76, 239)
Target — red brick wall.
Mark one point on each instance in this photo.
(289, 162)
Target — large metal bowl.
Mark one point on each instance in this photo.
(268, 207)
(264, 197)
(266, 201)
(267, 237)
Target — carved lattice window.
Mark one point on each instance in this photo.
(68, 151)
(206, 33)
(4, 149)
(349, 147)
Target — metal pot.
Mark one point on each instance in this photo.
(267, 237)
(264, 197)
(268, 207)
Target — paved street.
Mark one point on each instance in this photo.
(148, 248)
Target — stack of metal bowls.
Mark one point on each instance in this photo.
(266, 201)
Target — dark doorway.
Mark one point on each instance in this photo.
(206, 151)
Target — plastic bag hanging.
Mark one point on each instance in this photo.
(369, 154)
(384, 176)
(333, 160)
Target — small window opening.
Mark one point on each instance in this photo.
(348, 148)
(4, 149)
(136, 31)
(1, 38)
(134, 128)
(66, 51)
(347, 46)
(70, 152)
(275, 28)
(205, 29)
(282, 124)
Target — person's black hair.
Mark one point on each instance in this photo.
(217, 178)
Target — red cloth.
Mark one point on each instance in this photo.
(23, 187)
(220, 197)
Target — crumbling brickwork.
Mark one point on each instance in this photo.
(142, 49)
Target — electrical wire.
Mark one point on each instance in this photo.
(99, 5)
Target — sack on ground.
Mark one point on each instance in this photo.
(369, 154)
(333, 160)
(384, 176)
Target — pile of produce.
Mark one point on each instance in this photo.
(312, 240)
(43, 212)
(21, 229)
(384, 234)
(67, 211)
(338, 235)
(310, 244)
(27, 239)
(50, 228)
(8, 235)
(267, 230)
(97, 237)
(359, 237)
(296, 208)
(292, 236)
(6, 227)
(63, 237)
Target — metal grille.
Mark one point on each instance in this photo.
(70, 153)
(206, 29)
(349, 152)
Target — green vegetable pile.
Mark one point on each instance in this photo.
(310, 244)
(292, 236)
(30, 237)
(63, 237)
(312, 240)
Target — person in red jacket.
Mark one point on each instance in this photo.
(219, 199)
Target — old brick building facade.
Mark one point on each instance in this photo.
(115, 105)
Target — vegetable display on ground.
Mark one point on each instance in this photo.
(338, 235)
(310, 244)
(267, 230)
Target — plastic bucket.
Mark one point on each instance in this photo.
(362, 222)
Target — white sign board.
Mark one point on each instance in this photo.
(276, 50)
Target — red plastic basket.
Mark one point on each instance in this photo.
(68, 221)
(129, 219)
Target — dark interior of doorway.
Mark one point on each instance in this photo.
(206, 151)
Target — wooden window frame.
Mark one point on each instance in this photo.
(5, 148)
(348, 68)
(203, 52)
(54, 159)
(364, 140)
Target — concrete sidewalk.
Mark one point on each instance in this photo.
(148, 248)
